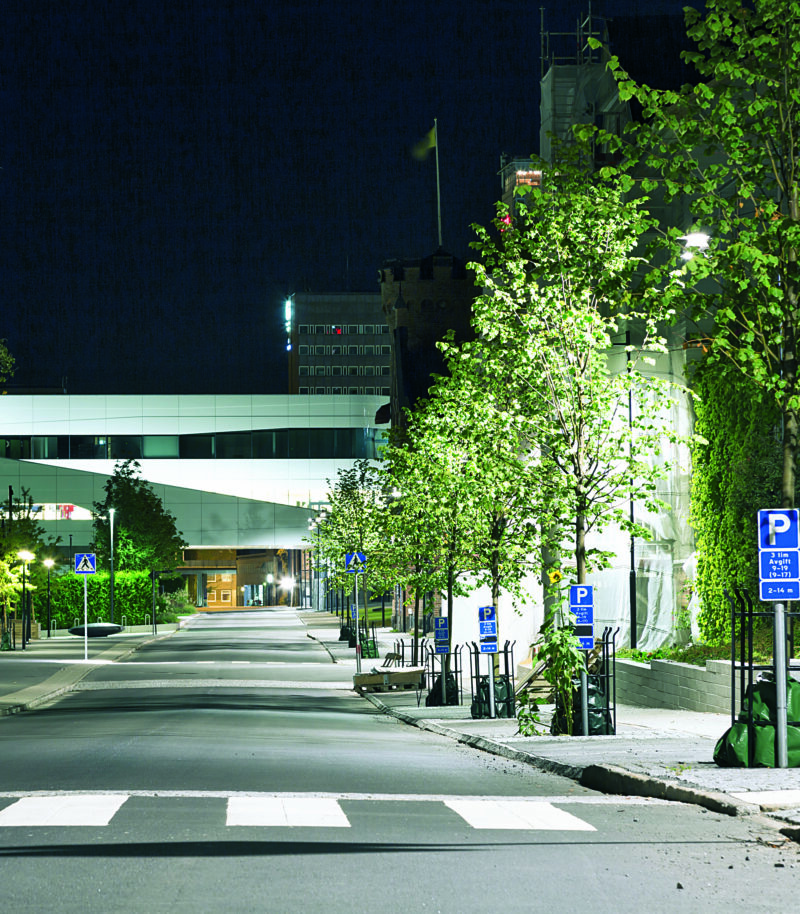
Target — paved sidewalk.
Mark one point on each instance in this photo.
(49, 667)
(656, 752)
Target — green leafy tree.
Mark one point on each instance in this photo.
(459, 438)
(145, 534)
(351, 524)
(728, 150)
(560, 290)
(20, 530)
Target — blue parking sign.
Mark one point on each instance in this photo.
(778, 554)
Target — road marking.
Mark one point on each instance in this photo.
(75, 809)
(309, 685)
(589, 800)
(297, 810)
(294, 812)
(516, 814)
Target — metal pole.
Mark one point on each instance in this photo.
(49, 628)
(358, 630)
(584, 702)
(779, 660)
(492, 706)
(85, 620)
(111, 564)
(24, 605)
(154, 603)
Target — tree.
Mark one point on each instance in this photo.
(459, 438)
(350, 525)
(560, 291)
(145, 535)
(21, 530)
(6, 362)
(562, 287)
(729, 150)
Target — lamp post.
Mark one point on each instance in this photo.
(111, 563)
(270, 582)
(24, 556)
(48, 564)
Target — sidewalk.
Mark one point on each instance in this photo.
(656, 752)
(49, 667)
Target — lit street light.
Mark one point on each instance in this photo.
(24, 556)
(48, 564)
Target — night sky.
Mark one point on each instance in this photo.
(169, 171)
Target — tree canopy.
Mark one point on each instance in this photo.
(145, 533)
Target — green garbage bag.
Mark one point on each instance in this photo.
(756, 734)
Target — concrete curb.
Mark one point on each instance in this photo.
(65, 679)
(609, 779)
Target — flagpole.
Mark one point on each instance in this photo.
(438, 188)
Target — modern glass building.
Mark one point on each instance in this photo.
(237, 471)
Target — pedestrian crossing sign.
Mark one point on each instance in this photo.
(85, 563)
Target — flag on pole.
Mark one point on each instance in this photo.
(421, 149)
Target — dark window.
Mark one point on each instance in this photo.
(298, 443)
(85, 447)
(233, 445)
(197, 446)
(271, 444)
(123, 447)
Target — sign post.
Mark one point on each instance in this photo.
(441, 641)
(85, 564)
(779, 580)
(487, 625)
(581, 605)
(354, 563)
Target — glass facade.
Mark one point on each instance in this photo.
(264, 444)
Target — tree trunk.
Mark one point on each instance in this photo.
(580, 545)
(790, 430)
(415, 648)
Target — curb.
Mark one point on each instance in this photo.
(71, 676)
(609, 779)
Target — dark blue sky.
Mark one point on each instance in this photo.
(170, 170)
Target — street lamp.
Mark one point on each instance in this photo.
(48, 564)
(288, 584)
(111, 563)
(24, 556)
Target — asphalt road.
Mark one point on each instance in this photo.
(228, 768)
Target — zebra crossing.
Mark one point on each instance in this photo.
(286, 810)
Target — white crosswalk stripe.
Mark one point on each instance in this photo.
(299, 810)
(516, 814)
(314, 812)
(81, 809)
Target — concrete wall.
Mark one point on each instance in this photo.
(666, 684)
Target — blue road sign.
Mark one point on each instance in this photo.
(488, 647)
(778, 554)
(353, 611)
(441, 630)
(581, 604)
(488, 628)
(354, 562)
(487, 614)
(441, 647)
(85, 563)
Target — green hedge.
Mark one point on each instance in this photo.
(734, 475)
(133, 598)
